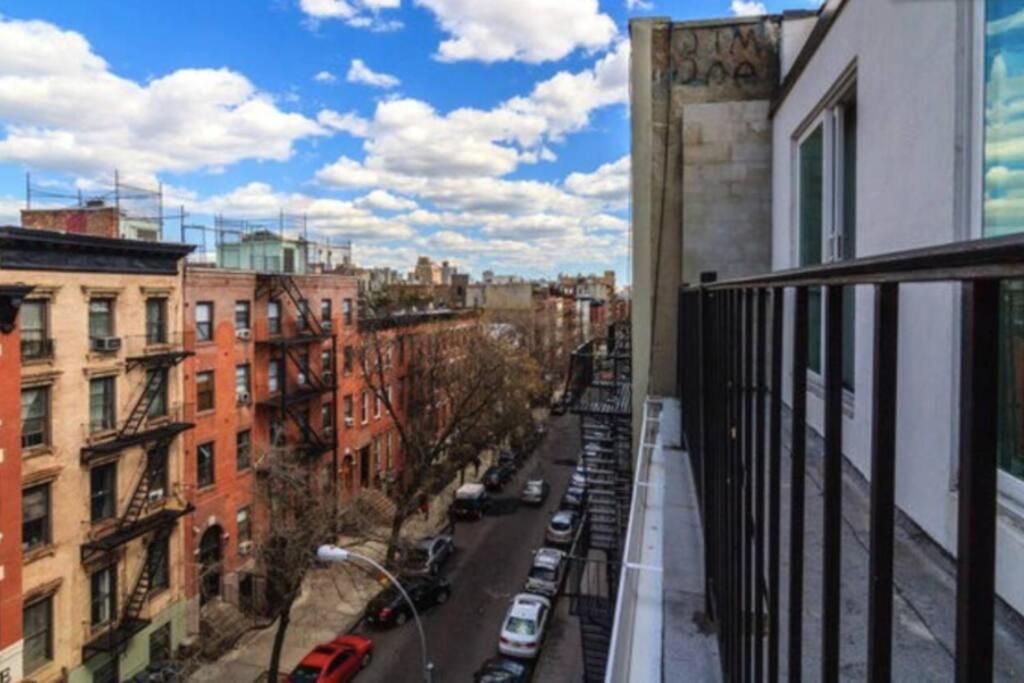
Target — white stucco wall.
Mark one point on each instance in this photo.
(905, 54)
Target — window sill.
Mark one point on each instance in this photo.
(36, 451)
(206, 488)
(205, 412)
(30, 556)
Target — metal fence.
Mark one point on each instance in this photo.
(731, 383)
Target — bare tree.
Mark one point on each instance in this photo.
(447, 389)
(296, 513)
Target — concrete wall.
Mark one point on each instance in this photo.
(700, 159)
(909, 58)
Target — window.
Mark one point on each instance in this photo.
(348, 353)
(303, 315)
(326, 363)
(103, 492)
(158, 563)
(156, 468)
(35, 336)
(204, 321)
(387, 449)
(347, 405)
(242, 386)
(156, 392)
(204, 390)
(325, 311)
(35, 517)
(101, 404)
(156, 320)
(204, 465)
(242, 318)
(364, 415)
(35, 417)
(376, 406)
(275, 381)
(274, 317)
(303, 373)
(243, 521)
(327, 415)
(103, 597)
(37, 631)
(277, 435)
(1002, 213)
(160, 645)
(346, 311)
(827, 206)
(101, 318)
(243, 450)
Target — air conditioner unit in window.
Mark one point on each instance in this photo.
(106, 343)
(326, 324)
(155, 496)
(244, 398)
(349, 422)
(245, 548)
(244, 334)
(328, 432)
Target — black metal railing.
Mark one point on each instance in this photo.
(36, 349)
(731, 384)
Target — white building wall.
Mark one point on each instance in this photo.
(905, 55)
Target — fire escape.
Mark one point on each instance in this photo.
(600, 386)
(151, 512)
(292, 346)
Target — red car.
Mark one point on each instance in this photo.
(335, 662)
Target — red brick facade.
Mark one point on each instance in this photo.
(10, 494)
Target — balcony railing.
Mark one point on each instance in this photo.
(158, 347)
(731, 381)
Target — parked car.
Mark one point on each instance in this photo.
(574, 499)
(523, 628)
(562, 527)
(535, 492)
(496, 476)
(471, 501)
(389, 608)
(335, 662)
(427, 555)
(502, 670)
(579, 479)
(545, 577)
(508, 459)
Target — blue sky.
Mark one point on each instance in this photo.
(491, 133)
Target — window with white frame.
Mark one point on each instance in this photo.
(826, 218)
(1002, 210)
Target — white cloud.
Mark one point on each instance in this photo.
(350, 123)
(382, 200)
(356, 13)
(325, 77)
(524, 30)
(358, 72)
(1008, 23)
(64, 109)
(639, 4)
(747, 8)
(609, 182)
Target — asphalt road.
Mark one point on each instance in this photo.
(489, 566)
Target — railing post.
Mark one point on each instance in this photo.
(883, 474)
(775, 484)
(798, 455)
(745, 436)
(759, 512)
(976, 532)
(833, 483)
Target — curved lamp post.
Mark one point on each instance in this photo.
(332, 553)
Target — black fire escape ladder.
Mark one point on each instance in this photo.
(311, 442)
(277, 284)
(155, 386)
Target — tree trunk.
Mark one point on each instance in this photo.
(282, 629)
(396, 534)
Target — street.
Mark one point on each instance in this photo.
(490, 565)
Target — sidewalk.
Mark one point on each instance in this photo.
(332, 601)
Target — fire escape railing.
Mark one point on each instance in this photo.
(731, 383)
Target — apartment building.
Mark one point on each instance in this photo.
(264, 374)
(101, 477)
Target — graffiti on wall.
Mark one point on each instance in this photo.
(731, 56)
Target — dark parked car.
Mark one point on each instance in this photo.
(508, 459)
(389, 608)
(496, 476)
(502, 670)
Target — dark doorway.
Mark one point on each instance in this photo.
(289, 261)
(364, 466)
(210, 556)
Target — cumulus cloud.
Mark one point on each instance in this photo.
(747, 8)
(381, 200)
(325, 77)
(531, 31)
(357, 13)
(64, 109)
(639, 4)
(609, 182)
(358, 72)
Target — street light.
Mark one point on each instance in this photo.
(332, 553)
